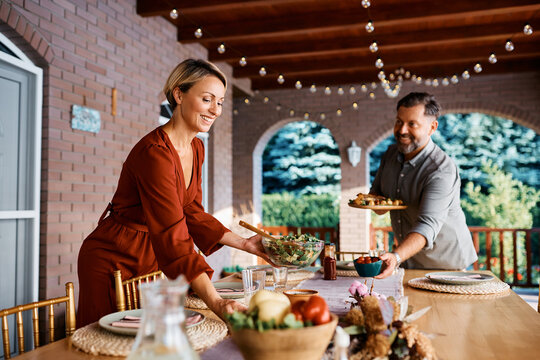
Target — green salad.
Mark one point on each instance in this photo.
(293, 250)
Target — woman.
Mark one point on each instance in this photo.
(156, 217)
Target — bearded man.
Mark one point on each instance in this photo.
(431, 231)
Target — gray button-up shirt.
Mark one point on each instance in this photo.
(429, 185)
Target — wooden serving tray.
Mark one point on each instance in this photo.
(379, 207)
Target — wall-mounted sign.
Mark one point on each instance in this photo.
(85, 119)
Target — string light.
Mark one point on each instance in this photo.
(262, 71)
(266, 99)
(327, 90)
(373, 47)
(445, 82)
(280, 79)
(477, 68)
(242, 61)
(278, 107)
(454, 79)
(355, 105)
(246, 101)
(221, 48)
(435, 82)
(322, 116)
(381, 75)
(298, 84)
(427, 82)
(379, 63)
(373, 85)
(306, 116)
(492, 58)
(466, 75)
(418, 80)
(527, 29)
(198, 33)
(340, 91)
(391, 76)
(339, 112)
(363, 87)
(370, 27)
(174, 14)
(291, 112)
(352, 90)
(235, 111)
(509, 46)
(372, 96)
(366, 3)
(407, 74)
(313, 89)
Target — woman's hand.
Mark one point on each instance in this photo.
(226, 306)
(252, 245)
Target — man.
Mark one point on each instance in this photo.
(431, 232)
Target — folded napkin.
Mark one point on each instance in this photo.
(134, 322)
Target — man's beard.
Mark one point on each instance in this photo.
(407, 148)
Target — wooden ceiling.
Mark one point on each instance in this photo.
(325, 41)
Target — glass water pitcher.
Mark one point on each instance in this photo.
(162, 335)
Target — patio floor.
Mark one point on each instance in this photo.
(530, 295)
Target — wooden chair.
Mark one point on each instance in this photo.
(127, 290)
(69, 299)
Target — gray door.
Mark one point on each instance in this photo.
(17, 190)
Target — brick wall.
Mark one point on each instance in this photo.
(86, 49)
(513, 96)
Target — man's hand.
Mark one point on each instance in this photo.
(388, 266)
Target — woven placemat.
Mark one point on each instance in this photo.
(344, 273)
(94, 340)
(488, 287)
(194, 302)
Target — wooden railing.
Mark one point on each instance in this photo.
(490, 234)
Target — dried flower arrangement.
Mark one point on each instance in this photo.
(381, 328)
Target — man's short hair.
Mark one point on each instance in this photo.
(432, 107)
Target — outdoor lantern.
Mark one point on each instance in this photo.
(354, 151)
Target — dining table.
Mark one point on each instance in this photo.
(499, 326)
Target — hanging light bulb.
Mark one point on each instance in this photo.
(509, 46)
(379, 63)
(243, 61)
(280, 79)
(373, 85)
(391, 76)
(246, 101)
(298, 85)
(370, 27)
(381, 75)
(492, 58)
(266, 99)
(363, 87)
(454, 79)
(413, 78)
(174, 14)
(339, 112)
(527, 29)
(221, 48)
(427, 82)
(352, 90)
(466, 74)
(322, 116)
(373, 47)
(407, 74)
(366, 3)
(262, 71)
(235, 111)
(355, 105)
(278, 107)
(340, 91)
(435, 82)
(372, 96)
(291, 112)
(445, 81)
(327, 90)
(198, 33)
(477, 68)
(313, 89)
(306, 116)
(418, 80)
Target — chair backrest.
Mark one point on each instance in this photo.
(127, 293)
(349, 255)
(69, 300)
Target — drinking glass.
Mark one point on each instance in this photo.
(247, 281)
(259, 279)
(280, 278)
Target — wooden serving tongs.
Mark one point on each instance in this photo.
(256, 230)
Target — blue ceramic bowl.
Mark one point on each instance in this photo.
(368, 270)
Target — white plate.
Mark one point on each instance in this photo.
(106, 321)
(459, 277)
(236, 288)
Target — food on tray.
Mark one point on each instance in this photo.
(293, 250)
(374, 200)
